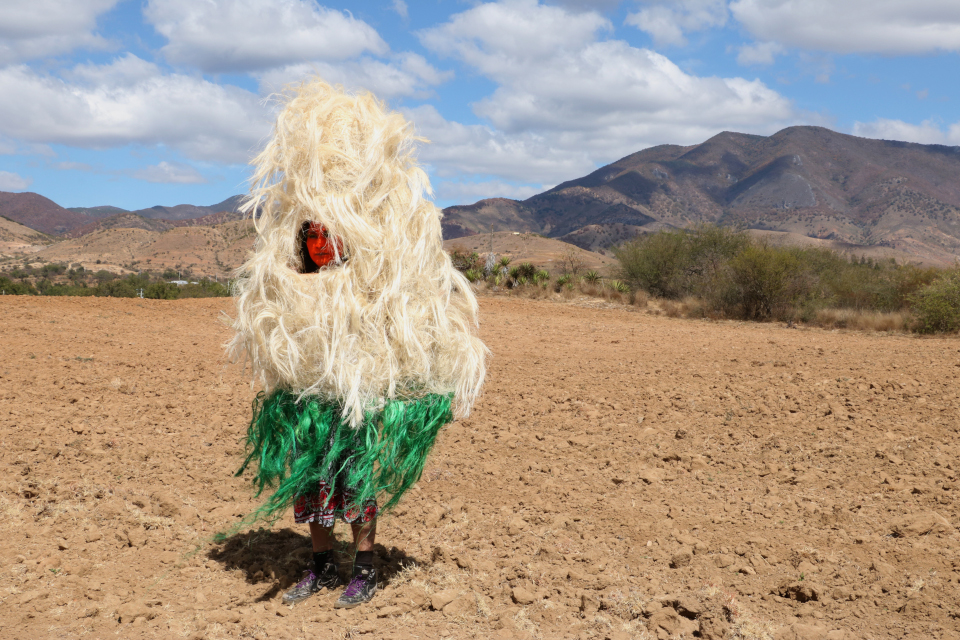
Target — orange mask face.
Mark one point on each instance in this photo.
(322, 249)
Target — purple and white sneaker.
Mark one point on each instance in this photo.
(312, 583)
(360, 589)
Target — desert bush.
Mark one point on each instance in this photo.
(571, 262)
(161, 291)
(937, 305)
(673, 264)
(104, 276)
(10, 288)
(204, 289)
(465, 260)
(771, 282)
(473, 275)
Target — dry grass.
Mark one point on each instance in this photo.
(862, 320)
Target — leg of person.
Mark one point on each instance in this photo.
(363, 585)
(318, 512)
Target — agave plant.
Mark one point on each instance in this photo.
(618, 286)
(592, 277)
(541, 276)
(473, 275)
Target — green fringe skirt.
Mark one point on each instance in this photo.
(298, 443)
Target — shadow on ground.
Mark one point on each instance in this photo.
(277, 559)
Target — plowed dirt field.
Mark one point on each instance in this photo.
(625, 475)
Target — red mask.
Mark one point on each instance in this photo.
(322, 249)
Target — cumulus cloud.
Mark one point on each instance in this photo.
(39, 28)
(927, 132)
(170, 173)
(854, 26)
(457, 149)
(401, 8)
(405, 75)
(759, 53)
(131, 101)
(667, 22)
(512, 37)
(13, 182)
(249, 35)
(567, 101)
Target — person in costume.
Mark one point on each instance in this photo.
(355, 322)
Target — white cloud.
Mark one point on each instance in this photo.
(38, 28)
(249, 35)
(170, 173)
(567, 102)
(13, 182)
(667, 22)
(407, 74)
(457, 149)
(927, 132)
(110, 105)
(854, 26)
(469, 192)
(401, 8)
(512, 37)
(759, 53)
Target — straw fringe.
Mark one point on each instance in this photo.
(396, 320)
(296, 443)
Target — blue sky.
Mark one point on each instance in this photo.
(136, 103)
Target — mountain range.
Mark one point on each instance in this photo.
(878, 197)
(804, 180)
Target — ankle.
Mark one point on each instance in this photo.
(321, 559)
(364, 559)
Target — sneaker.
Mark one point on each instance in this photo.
(360, 589)
(312, 583)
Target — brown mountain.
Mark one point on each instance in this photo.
(190, 211)
(39, 213)
(132, 220)
(45, 215)
(802, 180)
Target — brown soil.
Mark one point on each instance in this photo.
(625, 476)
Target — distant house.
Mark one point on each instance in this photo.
(179, 283)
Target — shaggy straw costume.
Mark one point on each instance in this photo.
(365, 360)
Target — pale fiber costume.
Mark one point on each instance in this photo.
(363, 361)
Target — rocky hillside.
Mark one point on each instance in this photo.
(805, 180)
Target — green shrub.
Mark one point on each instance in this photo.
(10, 288)
(161, 291)
(592, 277)
(204, 289)
(937, 305)
(676, 264)
(117, 289)
(772, 282)
(473, 275)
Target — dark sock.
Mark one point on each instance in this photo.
(321, 559)
(364, 559)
